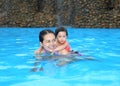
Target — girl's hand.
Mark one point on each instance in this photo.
(48, 49)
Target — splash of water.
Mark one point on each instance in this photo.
(59, 11)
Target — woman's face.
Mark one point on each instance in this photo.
(49, 41)
(61, 37)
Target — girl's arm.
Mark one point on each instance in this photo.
(61, 47)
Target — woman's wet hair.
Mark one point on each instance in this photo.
(60, 29)
(43, 33)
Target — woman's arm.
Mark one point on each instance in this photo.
(38, 51)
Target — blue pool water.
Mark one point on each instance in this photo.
(16, 59)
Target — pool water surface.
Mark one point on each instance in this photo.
(17, 47)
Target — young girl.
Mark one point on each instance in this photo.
(63, 47)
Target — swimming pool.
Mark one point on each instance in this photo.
(16, 59)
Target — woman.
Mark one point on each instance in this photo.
(48, 44)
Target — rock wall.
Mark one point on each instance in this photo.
(49, 13)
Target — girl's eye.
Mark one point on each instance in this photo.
(53, 40)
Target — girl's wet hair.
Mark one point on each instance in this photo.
(43, 33)
(60, 29)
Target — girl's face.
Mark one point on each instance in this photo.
(49, 41)
(61, 37)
